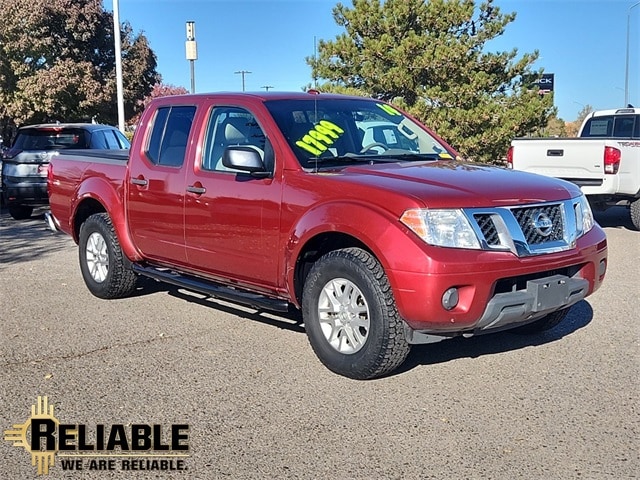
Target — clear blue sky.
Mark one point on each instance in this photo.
(582, 42)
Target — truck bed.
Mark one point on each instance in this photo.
(104, 170)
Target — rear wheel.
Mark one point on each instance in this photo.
(545, 323)
(105, 270)
(635, 213)
(20, 212)
(350, 315)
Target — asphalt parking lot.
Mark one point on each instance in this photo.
(559, 405)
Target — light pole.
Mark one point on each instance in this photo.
(192, 51)
(243, 73)
(626, 72)
(118, 55)
(267, 87)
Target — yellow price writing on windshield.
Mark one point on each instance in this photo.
(320, 137)
(388, 109)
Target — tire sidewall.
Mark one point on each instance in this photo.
(360, 363)
(634, 210)
(20, 212)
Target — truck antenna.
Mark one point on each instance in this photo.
(315, 59)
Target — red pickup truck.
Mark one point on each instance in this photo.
(344, 207)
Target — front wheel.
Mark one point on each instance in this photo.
(350, 315)
(105, 270)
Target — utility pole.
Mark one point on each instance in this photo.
(192, 52)
(118, 53)
(243, 73)
(626, 72)
(267, 87)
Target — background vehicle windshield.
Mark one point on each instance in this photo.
(335, 128)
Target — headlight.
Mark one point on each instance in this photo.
(584, 215)
(443, 228)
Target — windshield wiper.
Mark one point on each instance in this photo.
(347, 157)
(378, 158)
(410, 156)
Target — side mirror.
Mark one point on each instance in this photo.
(245, 158)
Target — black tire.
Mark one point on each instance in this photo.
(20, 212)
(105, 270)
(635, 213)
(545, 323)
(381, 345)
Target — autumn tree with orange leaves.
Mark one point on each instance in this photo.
(57, 62)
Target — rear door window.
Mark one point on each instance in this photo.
(169, 135)
(112, 141)
(98, 140)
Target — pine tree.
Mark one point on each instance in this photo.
(433, 58)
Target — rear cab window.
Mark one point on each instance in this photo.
(612, 126)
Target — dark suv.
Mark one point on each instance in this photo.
(24, 165)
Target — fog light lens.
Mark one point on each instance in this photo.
(450, 299)
(603, 267)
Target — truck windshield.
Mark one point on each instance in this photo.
(332, 132)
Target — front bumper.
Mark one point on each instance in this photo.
(541, 297)
(508, 310)
(496, 290)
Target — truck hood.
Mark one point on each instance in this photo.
(448, 184)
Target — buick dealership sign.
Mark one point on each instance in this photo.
(544, 82)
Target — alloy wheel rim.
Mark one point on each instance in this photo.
(344, 316)
(97, 257)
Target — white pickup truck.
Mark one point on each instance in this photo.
(604, 160)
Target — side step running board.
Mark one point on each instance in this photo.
(216, 290)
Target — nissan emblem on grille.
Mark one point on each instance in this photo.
(543, 224)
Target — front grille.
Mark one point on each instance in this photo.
(540, 224)
(527, 230)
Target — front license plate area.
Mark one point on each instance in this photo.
(549, 292)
